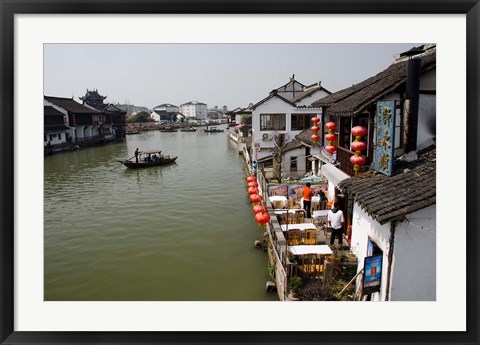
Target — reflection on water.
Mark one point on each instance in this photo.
(178, 232)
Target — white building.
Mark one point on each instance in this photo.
(285, 111)
(395, 217)
(194, 109)
(165, 113)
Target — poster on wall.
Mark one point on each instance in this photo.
(280, 190)
(372, 274)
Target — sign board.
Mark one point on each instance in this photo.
(385, 137)
(372, 276)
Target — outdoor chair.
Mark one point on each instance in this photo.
(310, 236)
(294, 237)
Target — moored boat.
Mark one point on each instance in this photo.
(213, 130)
(168, 129)
(190, 129)
(147, 159)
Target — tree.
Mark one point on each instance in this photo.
(141, 116)
(278, 151)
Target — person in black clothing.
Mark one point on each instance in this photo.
(136, 155)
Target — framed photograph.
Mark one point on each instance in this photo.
(36, 308)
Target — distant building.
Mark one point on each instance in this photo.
(166, 113)
(194, 109)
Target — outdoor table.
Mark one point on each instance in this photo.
(321, 249)
(283, 199)
(321, 214)
(314, 199)
(301, 226)
(290, 210)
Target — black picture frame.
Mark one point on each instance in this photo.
(7, 174)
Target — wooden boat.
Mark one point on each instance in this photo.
(213, 130)
(132, 131)
(147, 159)
(168, 129)
(191, 129)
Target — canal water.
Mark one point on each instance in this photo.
(183, 232)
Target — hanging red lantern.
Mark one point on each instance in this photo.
(252, 184)
(252, 190)
(262, 217)
(330, 137)
(330, 126)
(359, 146)
(255, 198)
(330, 149)
(259, 208)
(250, 178)
(359, 131)
(315, 129)
(358, 160)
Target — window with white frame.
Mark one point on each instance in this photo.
(272, 122)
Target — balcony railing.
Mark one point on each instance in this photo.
(343, 157)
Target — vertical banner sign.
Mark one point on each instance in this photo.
(385, 137)
(372, 275)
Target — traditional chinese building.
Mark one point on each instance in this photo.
(113, 120)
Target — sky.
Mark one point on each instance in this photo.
(217, 74)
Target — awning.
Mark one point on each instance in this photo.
(333, 174)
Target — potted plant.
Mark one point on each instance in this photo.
(294, 283)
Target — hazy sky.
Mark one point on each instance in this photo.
(216, 74)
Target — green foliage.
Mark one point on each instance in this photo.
(142, 116)
(294, 283)
(325, 290)
(244, 118)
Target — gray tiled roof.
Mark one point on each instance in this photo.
(387, 198)
(70, 105)
(355, 99)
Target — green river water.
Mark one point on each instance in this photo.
(183, 232)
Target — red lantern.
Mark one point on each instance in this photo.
(315, 120)
(253, 184)
(259, 208)
(359, 146)
(315, 128)
(330, 137)
(331, 125)
(357, 160)
(252, 190)
(359, 131)
(315, 137)
(330, 148)
(255, 198)
(250, 178)
(262, 217)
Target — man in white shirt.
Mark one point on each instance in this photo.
(336, 221)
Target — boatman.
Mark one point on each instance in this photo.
(136, 155)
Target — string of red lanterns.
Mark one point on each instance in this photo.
(261, 215)
(315, 129)
(358, 146)
(330, 137)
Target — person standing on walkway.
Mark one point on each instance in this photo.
(136, 155)
(336, 221)
(307, 194)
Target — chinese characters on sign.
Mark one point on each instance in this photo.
(385, 137)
